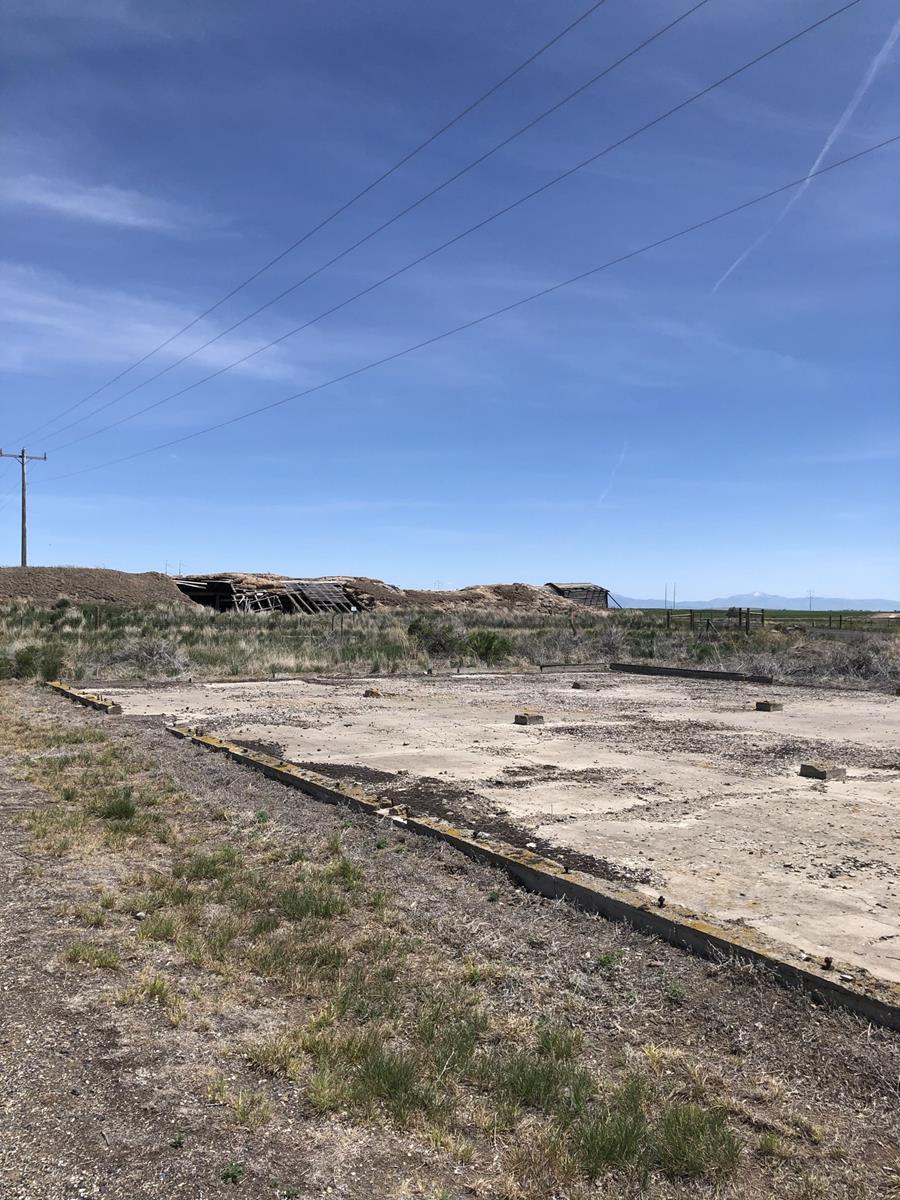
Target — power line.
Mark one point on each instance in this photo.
(384, 224)
(464, 112)
(489, 316)
(470, 230)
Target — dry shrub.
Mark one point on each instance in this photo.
(149, 656)
(857, 659)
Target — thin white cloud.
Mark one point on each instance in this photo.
(50, 321)
(100, 203)
(44, 27)
(843, 121)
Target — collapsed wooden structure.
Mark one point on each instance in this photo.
(240, 591)
(268, 593)
(590, 594)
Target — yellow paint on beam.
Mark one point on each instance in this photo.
(89, 698)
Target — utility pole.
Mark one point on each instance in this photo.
(22, 458)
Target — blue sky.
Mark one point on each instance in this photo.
(639, 427)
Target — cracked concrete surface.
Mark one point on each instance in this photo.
(682, 784)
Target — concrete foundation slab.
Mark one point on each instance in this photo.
(678, 787)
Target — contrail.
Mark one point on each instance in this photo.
(843, 121)
(615, 471)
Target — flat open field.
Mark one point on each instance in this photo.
(679, 787)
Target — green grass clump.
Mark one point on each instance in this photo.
(535, 1080)
(118, 807)
(91, 915)
(91, 954)
(681, 1140)
(218, 864)
(394, 1078)
(154, 989)
(694, 1142)
(449, 1037)
(614, 1134)
(348, 874)
(300, 901)
(79, 736)
(360, 1070)
(250, 1108)
(557, 1043)
(279, 1054)
(158, 927)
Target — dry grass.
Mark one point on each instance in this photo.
(154, 989)
(104, 642)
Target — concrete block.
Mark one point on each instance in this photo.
(528, 718)
(769, 706)
(822, 771)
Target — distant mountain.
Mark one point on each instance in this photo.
(765, 600)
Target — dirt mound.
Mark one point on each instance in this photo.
(370, 594)
(88, 585)
(515, 597)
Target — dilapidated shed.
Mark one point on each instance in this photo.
(589, 594)
(241, 592)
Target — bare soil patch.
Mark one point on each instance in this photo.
(464, 806)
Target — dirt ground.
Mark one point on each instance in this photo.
(88, 585)
(100, 1097)
(509, 597)
(678, 787)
